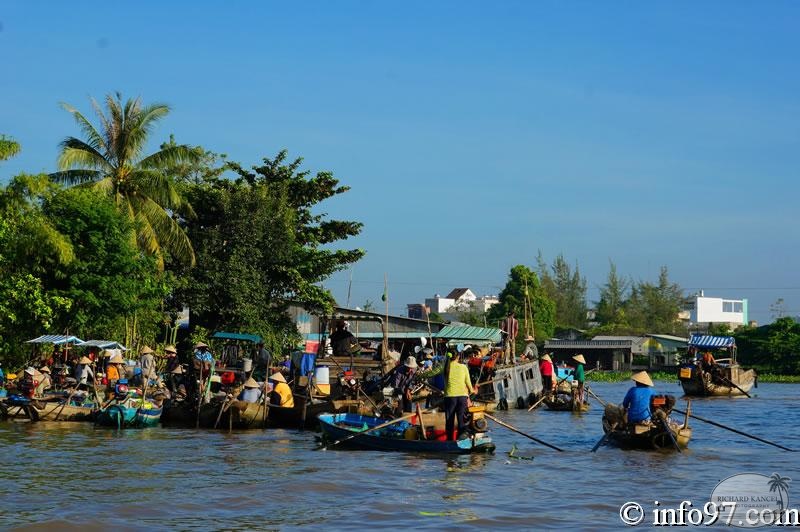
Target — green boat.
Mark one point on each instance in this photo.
(132, 412)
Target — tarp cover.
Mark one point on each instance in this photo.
(102, 344)
(704, 340)
(56, 339)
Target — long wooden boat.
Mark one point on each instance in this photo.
(652, 435)
(19, 407)
(725, 378)
(396, 437)
(132, 412)
(563, 402)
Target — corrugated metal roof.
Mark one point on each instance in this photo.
(588, 344)
(469, 332)
(56, 339)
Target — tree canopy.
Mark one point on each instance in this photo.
(512, 298)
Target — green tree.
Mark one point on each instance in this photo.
(567, 288)
(512, 298)
(111, 161)
(110, 279)
(8, 148)
(467, 313)
(260, 247)
(654, 308)
(613, 294)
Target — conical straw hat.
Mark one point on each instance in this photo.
(643, 378)
(278, 377)
(145, 350)
(178, 370)
(546, 357)
(85, 360)
(579, 358)
(44, 369)
(170, 349)
(116, 359)
(250, 383)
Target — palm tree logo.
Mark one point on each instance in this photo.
(780, 485)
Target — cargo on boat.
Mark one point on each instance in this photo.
(660, 432)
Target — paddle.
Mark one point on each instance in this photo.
(514, 429)
(601, 442)
(668, 430)
(376, 427)
(726, 379)
(720, 425)
(590, 392)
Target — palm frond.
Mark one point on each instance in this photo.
(138, 126)
(104, 186)
(76, 153)
(171, 156)
(117, 121)
(155, 185)
(168, 233)
(94, 138)
(76, 176)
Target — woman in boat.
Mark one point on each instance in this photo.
(250, 393)
(403, 383)
(580, 378)
(281, 394)
(46, 382)
(457, 388)
(113, 371)
(637, 400)
(546, 369)
(83, 370)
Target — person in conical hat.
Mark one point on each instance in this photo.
(170, 350)
(281, 394)
(44, 369)
(113, 370)
(83, 371)
(531, 352)
(546, 369)
(580, 378)
(637, 400)
(251, 392)
(45, 382)
(178, 370)
(147, 361)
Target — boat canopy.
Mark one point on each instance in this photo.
(222, 335)
(705, 340)
(469, 333)
(56, 339)
(102, 344)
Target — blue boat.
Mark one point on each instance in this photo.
(396, 437)
(130, 413)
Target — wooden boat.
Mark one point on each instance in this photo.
(19, 407)
(401, 436)
(652, 435)
(726, 378)
(563, 402)
(132, 412)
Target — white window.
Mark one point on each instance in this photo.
(727, 306)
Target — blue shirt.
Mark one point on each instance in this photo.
(250, 395)
(637, 401)
(203, 356)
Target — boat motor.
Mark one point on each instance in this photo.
(661, 405)
(121, 389)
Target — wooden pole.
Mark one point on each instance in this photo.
(720, 425)
(514, 429)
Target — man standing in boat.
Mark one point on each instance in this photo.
(343, 342)
(546, 369)
(580, 378)
(510, 327)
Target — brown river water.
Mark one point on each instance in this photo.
(73, 476)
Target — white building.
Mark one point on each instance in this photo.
(704, 311)
(459, 299)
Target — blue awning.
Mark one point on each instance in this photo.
(56, 339)
(237, 336)
(102, 344)
(704, 340)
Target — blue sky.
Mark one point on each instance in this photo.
(473, 134)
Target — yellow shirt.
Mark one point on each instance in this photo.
(112, 373)
(458, 382)
(284, 393)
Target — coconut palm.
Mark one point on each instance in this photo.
(111, 160)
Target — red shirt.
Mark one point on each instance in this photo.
(546, 367)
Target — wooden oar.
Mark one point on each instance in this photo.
(421, 424)
(601, 442)
(514, 429)
(666, 427)
(589, 390)
(726, 379)
(720, 425)
(376, 427)
(537, 403)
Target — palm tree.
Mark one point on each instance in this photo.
(111, 161)
(780, 485)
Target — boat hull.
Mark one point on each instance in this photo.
(330, 424)
(562, 403)
(124, 416)
(696, 383)
(47, 411)
(650, 436)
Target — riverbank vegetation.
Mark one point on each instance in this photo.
(115, 242)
